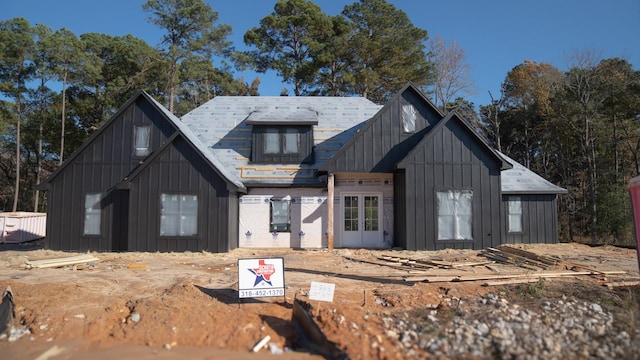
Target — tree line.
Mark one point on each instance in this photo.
(579, 128)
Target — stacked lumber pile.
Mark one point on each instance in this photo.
(521, 258)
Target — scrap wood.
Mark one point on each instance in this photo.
(509, 258)
(545, 259)
(456, 278)
(432, 263)
(627, 283)
(380, 263)
(58, 262)
(510, 282)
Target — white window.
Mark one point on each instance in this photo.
(409, 118)
(141, 140)
(178, 215)
(92, 214)
(455, 215)
(280, 216)
(514, 204)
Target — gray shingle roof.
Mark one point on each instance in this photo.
(196, 141)
(222, 126)
(520, 180)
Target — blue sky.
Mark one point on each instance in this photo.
(496, 35)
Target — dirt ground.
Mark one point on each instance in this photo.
(186, 305)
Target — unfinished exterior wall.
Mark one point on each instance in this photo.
(308, 218)
(364, 183)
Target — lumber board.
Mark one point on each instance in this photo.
(58, 262)
(456, 278)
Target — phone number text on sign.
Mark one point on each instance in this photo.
(260, 277)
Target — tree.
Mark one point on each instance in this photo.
(449, 71)
(66, 57)
(16, 70)
(288, 40)
(388, 50)
(190, 31)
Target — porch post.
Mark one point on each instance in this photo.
(330, 182)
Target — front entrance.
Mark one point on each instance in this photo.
(362, 220)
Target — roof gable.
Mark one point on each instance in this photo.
(447, 122)
(383, 141)
(139, 96)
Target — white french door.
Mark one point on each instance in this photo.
(362, 220)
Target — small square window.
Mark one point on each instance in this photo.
(280, 215)
(141, 140)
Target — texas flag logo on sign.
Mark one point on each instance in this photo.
(260, 277)
(263, 272)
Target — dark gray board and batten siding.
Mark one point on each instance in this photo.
(381, 143)
(539, 219)
(130, 214)
(180, 169)
(450, 158)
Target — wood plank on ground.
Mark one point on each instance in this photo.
(59, 262)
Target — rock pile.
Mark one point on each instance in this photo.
(495, 329)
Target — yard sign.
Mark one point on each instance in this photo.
(260, 277)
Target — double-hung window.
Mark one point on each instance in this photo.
(455, 215)
(92, 214)
(178, 214)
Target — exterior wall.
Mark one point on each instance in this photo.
(364, 183)
(452, 159)
(308, 218)
(180, 170)
(102, 162)
(539, 220)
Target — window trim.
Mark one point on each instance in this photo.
(180, 214)
(94, 214)
(275, 226)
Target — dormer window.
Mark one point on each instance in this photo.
(282, 137)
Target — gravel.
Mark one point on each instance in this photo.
(493, 328)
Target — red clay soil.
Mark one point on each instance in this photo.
(188, 305)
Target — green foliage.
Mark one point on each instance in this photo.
(289, 40)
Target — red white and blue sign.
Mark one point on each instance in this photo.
(260, 277)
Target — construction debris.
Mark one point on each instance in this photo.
(59, 262)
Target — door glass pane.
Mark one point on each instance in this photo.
(351, 213)
(371, 213)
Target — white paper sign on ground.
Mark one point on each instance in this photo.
(321, 291)
(261, 277)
